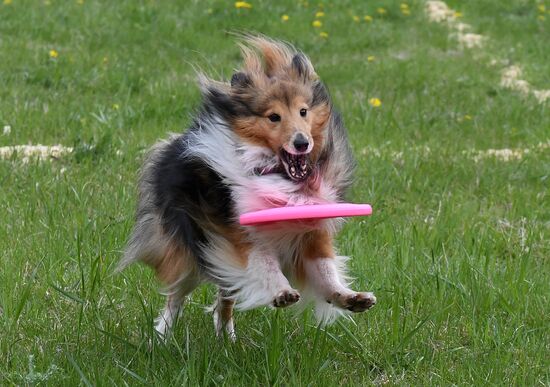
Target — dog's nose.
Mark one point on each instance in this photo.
(301, 143)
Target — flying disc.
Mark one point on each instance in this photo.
(313, 211)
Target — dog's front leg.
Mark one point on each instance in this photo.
(265, 283)
(325, 278)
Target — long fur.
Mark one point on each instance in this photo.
(194, 186)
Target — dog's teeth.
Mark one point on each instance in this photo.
(304, 166)
(292, 170)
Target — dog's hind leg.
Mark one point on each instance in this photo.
(177, 269)
(174, 301)
(223, 314)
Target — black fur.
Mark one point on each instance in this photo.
(188, 193)
(219, 101)
(320, 94)
(240, 79)
(300, 65)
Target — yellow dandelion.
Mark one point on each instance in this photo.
(406, 12)
(541, 17)
(356, 18)
(80, 2)
(542, 8)
(468, 117)
(116, 106)
(284, 18)
(7, 2)
(404, 6)
(54, 54)
(317, 24)
(367, 18)
(320, 14)
(371, 58)
(242, 4)
(381, 11)
(375, 102)
(323, 35)
(458, 14)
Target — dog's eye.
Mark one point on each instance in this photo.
(274, 117)
(303, 112)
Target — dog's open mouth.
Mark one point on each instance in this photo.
(297, 167)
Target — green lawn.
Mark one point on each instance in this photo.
(457, 250)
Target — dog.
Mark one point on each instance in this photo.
(268, 138)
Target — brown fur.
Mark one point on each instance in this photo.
(317, 244)
(276, 86)
(170, 266)
(226, 311)
(236, 236)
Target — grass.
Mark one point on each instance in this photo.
(456, 251)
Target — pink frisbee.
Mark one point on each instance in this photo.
(313, 211)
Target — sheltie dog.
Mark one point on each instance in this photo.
(268, 138)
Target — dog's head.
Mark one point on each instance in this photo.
(275, 101)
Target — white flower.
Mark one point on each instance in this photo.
(7, 130)
(438, 11)
(470, 40)
(542, 95)
(39, 152)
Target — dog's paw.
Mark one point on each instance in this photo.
(355, 302)
(285, 298)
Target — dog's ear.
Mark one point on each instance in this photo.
(320, 93)
(240, 80)
(302, 66)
